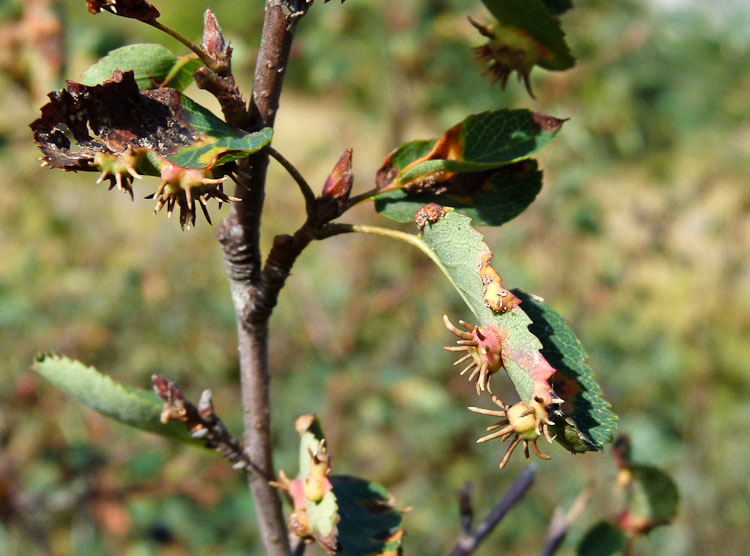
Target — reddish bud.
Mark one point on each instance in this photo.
(333, 199)
(213, 40)
(339, 183)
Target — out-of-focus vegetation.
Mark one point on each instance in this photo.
(641, 237)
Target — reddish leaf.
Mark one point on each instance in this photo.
(141, 10)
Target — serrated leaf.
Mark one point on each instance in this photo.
(489, 200)
(603, 539)
(457, 248)
(162, 122)
(533, 18)
(88, 386)
(153, 66)
(480, 143)
(370, 525)
(591, 423)
(652, 496)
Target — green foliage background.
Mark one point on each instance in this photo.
(640, 238)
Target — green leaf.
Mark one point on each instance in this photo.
(557, 7)
(153, 65)
(491, 201)
(217, 143)
(86, 385)
(653, 497)
(369, 524)
(457, 247)
(590, 423)
(603, 539)
(480, 143)
(324, 516)
(533, 18)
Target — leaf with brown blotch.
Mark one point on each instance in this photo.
(141, 10)
(123, 132)
(480, 143)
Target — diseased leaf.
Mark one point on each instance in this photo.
(603, 539)
(590, 420)
(162, 121)
(489, 199)
(370, 525)
(141, 10)
(481, 143)
(139, 409)
(460, 251)
(123, 132)
(533, 18)
(153, 66)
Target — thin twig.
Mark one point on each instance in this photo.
(299, 548)
(468, 544)
(356, 199)
(211, 63)
(304, 187)
(561, 521)
(466, 508)
(203, 424)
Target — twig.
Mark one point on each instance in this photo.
(468, 544)
(466, 508)
(299, 548)
(202, 423)
(561, 521)
(304, 187)
(211, 63)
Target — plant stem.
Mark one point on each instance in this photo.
(304, 187)
(468, 544)
(210, 62)
(240, 239)
(337, 228)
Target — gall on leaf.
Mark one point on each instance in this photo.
(141, 10)
(526, 424)
(428, 214)
(494, 295)
(121, 132)
(484, 347)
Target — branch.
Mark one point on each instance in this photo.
(202, 423)
(468, 544)
(304, 187)
(240, 239)
(561, 521)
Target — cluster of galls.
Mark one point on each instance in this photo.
(186, 188)
(507, 50)
(526, 424)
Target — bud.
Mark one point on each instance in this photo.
(335, 194)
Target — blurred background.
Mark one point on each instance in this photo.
(640, 238)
